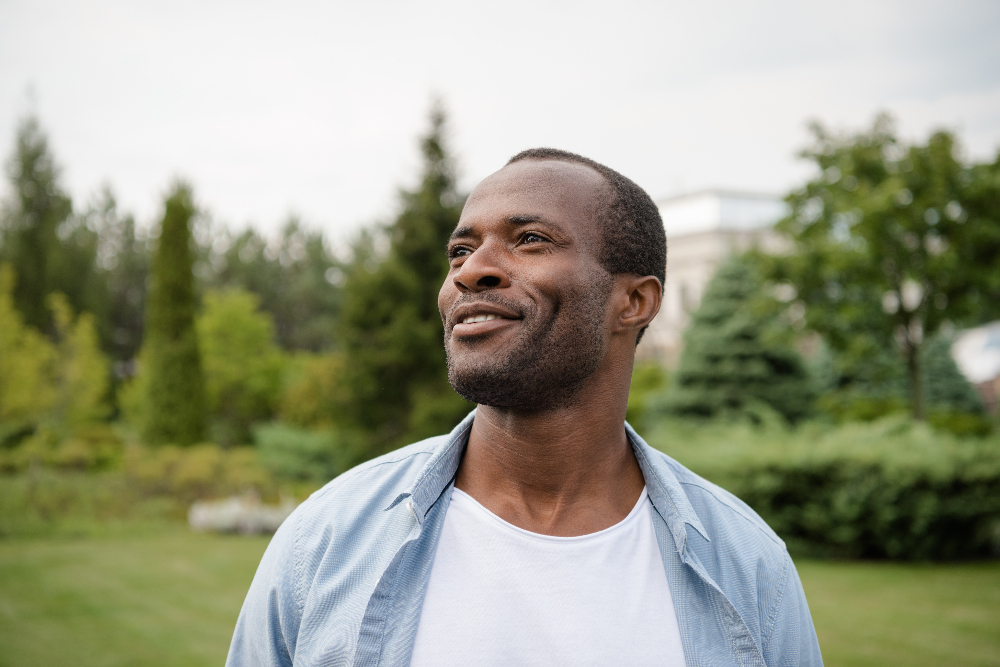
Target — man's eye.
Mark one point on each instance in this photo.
(458, 251)
(532, 237)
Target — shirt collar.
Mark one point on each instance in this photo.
(665, 491)
(662, 486)
(439, 471)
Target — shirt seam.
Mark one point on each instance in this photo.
(297, 565)
(773, 616)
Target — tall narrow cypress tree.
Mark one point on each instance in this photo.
(175, 405)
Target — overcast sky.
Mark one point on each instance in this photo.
(315, 107)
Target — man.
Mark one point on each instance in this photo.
(542, 530)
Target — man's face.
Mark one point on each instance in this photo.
(525, 304)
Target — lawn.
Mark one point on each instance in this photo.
(171, 598)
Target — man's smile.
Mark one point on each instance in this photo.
(475, 319)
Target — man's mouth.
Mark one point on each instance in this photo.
(480, 318)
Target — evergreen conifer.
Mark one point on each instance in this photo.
(735, 356)
(49, 248)
(174, 409)
(391, 328)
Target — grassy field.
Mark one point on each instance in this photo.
(171, 598)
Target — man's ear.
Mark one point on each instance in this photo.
(643, 295)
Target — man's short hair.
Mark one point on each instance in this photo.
(634, 240)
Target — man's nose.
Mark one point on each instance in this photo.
(482, 270)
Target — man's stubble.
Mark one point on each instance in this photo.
(547, 363)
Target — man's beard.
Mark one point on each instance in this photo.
(548, 362)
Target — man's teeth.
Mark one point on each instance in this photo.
(480, 318)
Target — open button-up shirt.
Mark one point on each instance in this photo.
(343, 580)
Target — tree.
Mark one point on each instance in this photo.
(294, 279)
(391, 331)
(174, 405)
(242, 363)
(891, 241)
(736, 353)
(123, 258)
(26, 390)
(81, 370)
(49, 248)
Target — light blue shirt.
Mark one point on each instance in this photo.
(343, 580)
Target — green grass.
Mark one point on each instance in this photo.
(165, 599)
(172, 597)
(905, 614)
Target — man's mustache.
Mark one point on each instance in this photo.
(485, 297)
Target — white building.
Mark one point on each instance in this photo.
(703, 229)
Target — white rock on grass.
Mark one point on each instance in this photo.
(238, 514)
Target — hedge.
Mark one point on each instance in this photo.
(888, 489)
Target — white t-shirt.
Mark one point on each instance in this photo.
(502, 596)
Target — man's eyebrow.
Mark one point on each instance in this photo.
(523, 219)
(518, 220)
(459, 233)
(529, 219)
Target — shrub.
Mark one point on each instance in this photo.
(315, 394)
(54, 492)
(886, 489)
(308, 455)
(241, 361)
(93, 447)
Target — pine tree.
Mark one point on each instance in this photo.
(391, 329)
(945, 388)
(174, 407)
(735, 356)
(50, 249)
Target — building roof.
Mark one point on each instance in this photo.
(712, 210)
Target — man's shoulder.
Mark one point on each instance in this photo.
(723, 516)
(376, 483)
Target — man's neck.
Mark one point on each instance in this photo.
(565, 471)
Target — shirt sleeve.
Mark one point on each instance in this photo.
(791, 640)
(268, 623)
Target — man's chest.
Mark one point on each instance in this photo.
(498, 595)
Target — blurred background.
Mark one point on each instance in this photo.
(221, 239)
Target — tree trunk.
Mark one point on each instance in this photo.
(914, 373)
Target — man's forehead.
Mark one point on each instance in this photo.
(554, 185)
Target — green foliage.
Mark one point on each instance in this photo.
(293, 278)
(50, 392)
(51, 249)
(123, 260)
(26, 391)
(945, 387)
(81, 378)
(315, 395)
(68, 489)
(91, 447)
(737, 359)
(892, 241)
(174, 384)
(649, 378)
(242, 364)
(309, 455)
(391, 330)
(886, 489)
(878, 388)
